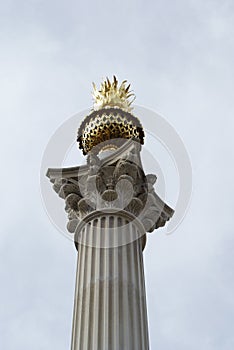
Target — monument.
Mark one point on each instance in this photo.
(111, 205)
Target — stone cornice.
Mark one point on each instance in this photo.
(71, 172)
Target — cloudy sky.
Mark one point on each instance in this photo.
(179, 57)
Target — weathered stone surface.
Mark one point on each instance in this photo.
(110, 204)
(117, 181)
(110, 300)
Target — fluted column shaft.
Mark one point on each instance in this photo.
(110, 301)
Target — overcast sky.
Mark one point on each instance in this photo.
(179, 57)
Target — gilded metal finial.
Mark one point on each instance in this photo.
(112, 95)
(111, 121)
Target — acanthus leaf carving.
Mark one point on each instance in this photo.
(72, 201)
(72, 225)
(135, 206)
(85, 207)
(119, 183)
(67, 189)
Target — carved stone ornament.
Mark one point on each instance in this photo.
(116, 181)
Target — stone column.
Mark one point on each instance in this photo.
(111, 204)
(110, 301)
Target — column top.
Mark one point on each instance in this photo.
(117, 181)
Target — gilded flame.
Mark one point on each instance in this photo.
(112, 95)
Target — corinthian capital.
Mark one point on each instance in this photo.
(117, 181)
